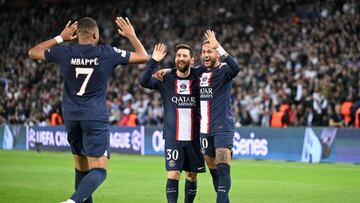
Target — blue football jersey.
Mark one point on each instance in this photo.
(86, 70)
(215, 97)
(180, 98)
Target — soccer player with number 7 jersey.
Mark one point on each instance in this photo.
(86, 68)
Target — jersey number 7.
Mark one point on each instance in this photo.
(84, 71)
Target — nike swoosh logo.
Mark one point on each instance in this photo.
(200, 168)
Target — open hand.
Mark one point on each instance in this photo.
(69, 31)
(210, 35)
(125, 27)
(159, 52)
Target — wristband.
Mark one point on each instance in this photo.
(59, 39)
(221, 51)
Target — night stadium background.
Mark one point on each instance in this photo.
(299, 57)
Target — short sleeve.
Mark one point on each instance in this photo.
(55, 54)
(118, 56)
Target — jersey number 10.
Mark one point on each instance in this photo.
(84, 71)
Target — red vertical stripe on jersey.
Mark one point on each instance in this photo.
(176, 88)
(190, 81)
(177, 124)
(192, 114)
(177, 113)
(208, 107)
(208, 113)
(209, 81)
(192, 124)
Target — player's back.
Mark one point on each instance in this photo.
(86, 70)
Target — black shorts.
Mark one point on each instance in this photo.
(89, 138)
(184, 155)
(210, 142)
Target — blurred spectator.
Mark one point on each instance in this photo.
(280, 117)
(357, 118)
(305, 53)
(129, 119)
(346, 111)
(336, 118)
(320, 105)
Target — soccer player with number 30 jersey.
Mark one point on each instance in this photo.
(180, 94)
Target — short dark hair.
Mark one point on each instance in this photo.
(86, 25)
(206, 42)
(184, 46)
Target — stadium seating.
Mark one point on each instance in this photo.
(301, 53)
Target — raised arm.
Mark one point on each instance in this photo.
(146, 80)
(37, 52)
(127, 30)
(234, 66)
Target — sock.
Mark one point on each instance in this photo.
(89, 184)
(224, 183)
(190, 191)
(79, 175)
(215, 178)
(172, 191)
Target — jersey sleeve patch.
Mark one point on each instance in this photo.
(120, 51)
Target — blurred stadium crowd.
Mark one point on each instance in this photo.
(300, 59)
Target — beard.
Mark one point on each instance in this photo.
(210, 63)
(182, 66)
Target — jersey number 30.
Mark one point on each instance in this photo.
(83, 71)
(172, 154)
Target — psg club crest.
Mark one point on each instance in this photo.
(183, 87)
(172, 163)
(205, 79)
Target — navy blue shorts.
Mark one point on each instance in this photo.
(89, 138)
(184, 155)
(209, 143)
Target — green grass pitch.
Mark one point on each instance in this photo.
(47, 177)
